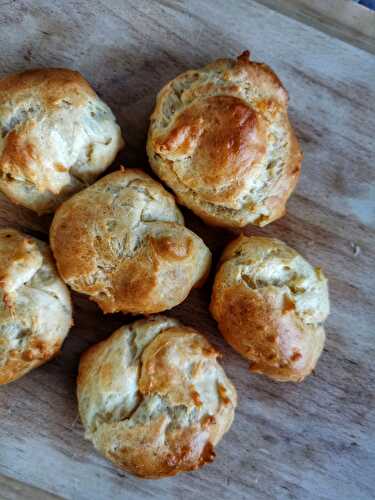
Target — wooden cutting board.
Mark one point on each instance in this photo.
(309, 440)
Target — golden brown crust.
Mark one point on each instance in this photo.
(35, 306)
(221, 139)
(56, 136)
(122, 242)
(56, 83)
(220, 131)
(153, 398)
(270, 305)
(20, 363)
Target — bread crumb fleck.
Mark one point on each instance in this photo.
(356, 249)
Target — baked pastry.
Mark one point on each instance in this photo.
(153, 398)
(220, 137)
(56, 137)
(270, 305)
(122, 242)
(35, 306)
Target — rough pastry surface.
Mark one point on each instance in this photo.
(56, 137)
(122, 242)
(220, 137)
(35, 306)
(153, 398)
(270, 305)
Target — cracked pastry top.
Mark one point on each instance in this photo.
(35, 306)
(56, 137)
(153, 398)
(123, 242)
(270, 305)
(220, 138)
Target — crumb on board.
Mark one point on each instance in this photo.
(356, 249)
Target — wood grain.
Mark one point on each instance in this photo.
(312, 440)
(342, 19)
(12, 490)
